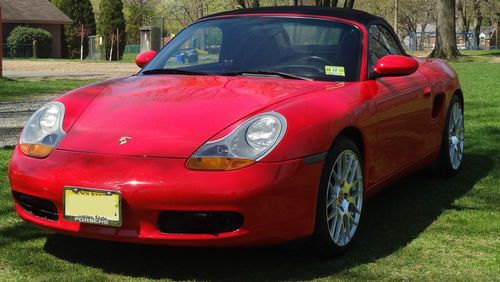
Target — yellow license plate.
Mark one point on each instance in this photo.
(92, 206)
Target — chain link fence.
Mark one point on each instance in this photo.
(132, 49)
(17, 51)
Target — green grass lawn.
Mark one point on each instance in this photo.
(127, 58)
(15, 89)
(421, 228)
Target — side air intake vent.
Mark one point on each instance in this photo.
(199, 222)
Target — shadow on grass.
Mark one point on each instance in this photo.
(495, 53)
(20, 232)
(392, 220)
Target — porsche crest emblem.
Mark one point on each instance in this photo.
(124, 140)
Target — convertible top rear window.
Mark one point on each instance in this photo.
(310, 48)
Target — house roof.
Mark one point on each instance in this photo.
(32, 11)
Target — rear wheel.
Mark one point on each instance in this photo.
(340, 199)
(452, 147)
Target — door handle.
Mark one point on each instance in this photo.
(427, 92)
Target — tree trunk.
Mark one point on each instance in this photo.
(241, 3)
(1, 47)
(478, 20)
(81, 48)
(82, 36)
(117, 44)
(396, 11)
(327, 3)
(323, 3)
(464, 25)
(494, 35)
(446, 45)
(201, 9)
(111, 49)
(349, 4)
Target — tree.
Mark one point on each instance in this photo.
(76, 35)
(446, 45)
(111, 26)
(178, 14)
(415, 13)
(463, 10)
(327, 3)
(349, 4)
(478, 20)
(137, 14)
(249, 3)
(333, 3)
(381, 8)
(472, 12)
(492, 15)
(240, 3)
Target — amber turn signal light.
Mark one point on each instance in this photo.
(217, 163)
(36, 150)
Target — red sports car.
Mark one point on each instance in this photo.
(250, 127)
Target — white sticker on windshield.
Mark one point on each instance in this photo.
(335, 70)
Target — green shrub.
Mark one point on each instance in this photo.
(25, 35)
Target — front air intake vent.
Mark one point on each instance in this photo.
(37, 206)
(199, 222)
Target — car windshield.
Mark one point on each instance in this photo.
(296, 48)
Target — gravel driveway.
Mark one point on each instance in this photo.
(14, 114)
(59, 69)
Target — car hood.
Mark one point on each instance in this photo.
(173, 115)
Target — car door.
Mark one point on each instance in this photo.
(401, 109)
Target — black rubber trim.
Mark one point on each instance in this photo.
(315, 158)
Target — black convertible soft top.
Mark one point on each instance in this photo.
(349, 14)
(358, 16)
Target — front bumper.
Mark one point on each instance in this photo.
(277, 200)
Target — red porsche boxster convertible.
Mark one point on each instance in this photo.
(250, 127)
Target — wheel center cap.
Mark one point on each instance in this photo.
(345, 190)
(346, 187)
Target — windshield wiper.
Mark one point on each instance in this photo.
(173, 71)
(263, 72)
(249, 72)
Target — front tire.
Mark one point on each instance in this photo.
(340, 199)
(452, 147)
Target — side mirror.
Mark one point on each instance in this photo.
(395, 65)
(143, 58)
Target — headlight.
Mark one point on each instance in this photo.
(43, 131)
(247, 144)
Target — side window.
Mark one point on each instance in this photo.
(381, 43)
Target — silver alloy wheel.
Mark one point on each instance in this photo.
(344, 197)
(456, 135)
